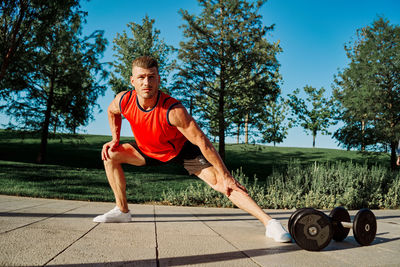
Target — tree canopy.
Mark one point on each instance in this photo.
(145, 41)
(228, 67)
(369, 88)
(274, 122)
(315, 114)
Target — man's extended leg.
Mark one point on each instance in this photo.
(123, 154)
(246, 203)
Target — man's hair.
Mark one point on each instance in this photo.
(145, 62)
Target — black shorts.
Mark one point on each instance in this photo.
(190, 157)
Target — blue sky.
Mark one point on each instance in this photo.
(312, 34)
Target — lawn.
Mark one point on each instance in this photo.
(74, 168)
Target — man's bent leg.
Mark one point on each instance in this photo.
(116, 179)
(243, 201)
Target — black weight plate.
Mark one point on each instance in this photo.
(312, 230)
(292, 220)
(364, 227)
(338, 215)
(292, 217)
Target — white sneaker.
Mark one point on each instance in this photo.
(276, 231)
(114, 216)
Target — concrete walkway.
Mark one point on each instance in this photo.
(41, 232)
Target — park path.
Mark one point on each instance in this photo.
(43, 232)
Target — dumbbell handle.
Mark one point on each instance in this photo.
(347, 225)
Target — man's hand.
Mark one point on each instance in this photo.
(112, 145)
(230, 184)
(398, 161)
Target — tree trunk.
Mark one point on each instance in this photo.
(393, 156)
(55, 125)
(362, 135)
(238, 133)
(191, 106)
(45, 128)
(246, 129)
(221, 119)
(221, 100)
(314, 135)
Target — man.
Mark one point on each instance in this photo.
(165, 132)
(398, 154)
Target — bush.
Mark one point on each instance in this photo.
(318, 185)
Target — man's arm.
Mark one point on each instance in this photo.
(180, 118)
(115, 121)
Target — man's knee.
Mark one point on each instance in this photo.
(114, 156)
(210, 177)
(125, 153)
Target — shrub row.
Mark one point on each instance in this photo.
(318, 185)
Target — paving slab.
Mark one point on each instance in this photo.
(19, 215)
(130, 244)
(46, 232)
(183, 239)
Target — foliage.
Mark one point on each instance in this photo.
(59, 82)
(18, 18)
(369, 88)
(318, 117)
(228, 68)
(145, 42)
(273, 123)
(318, 185)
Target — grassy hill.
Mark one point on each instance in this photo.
(74, 169)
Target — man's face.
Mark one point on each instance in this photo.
(145, 81)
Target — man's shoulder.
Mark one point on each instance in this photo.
(124, 98)
(124, 93)
(167, 100)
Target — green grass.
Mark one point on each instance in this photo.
(74, 169)
(64, 182)
(262, 161)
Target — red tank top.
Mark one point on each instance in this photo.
(154, 134)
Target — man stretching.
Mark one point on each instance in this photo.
(398, 154)
(164, 133)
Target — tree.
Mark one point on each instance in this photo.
(224, 49)
(357, 119)
(358, 130)
(145, 42)
(62, 74)
(261, 86)
(315, 118)
(17, 17)
(274, 123)
(370, 85)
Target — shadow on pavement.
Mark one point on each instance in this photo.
(195, 259)
(201, 217)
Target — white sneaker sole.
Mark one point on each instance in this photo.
(100, 219)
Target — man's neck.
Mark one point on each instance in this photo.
(148, 103)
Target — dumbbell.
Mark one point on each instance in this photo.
(364, 225)
(313, 230)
